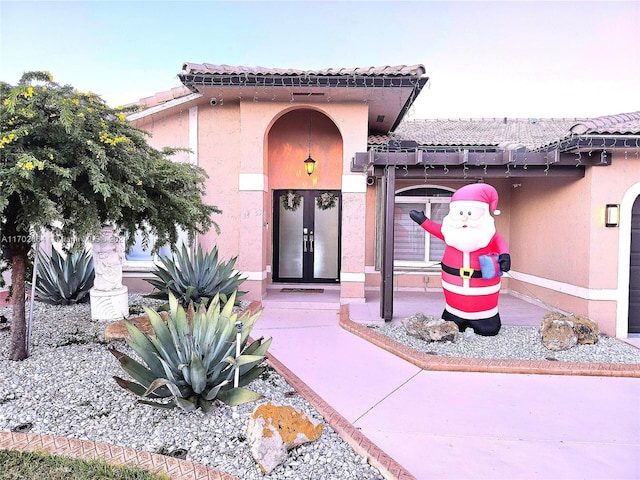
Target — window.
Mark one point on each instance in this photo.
(413, 246)
(137, 253)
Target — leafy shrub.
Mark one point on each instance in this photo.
(190, 359)
(64, 280)
(197, 280)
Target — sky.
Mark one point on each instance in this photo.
(484, 59)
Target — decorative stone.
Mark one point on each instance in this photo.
(430, 329)
(273, 430)
(586, 329)
(109, 305)
(118, 330)
(108, 254)
(557, 333)
(109, 298)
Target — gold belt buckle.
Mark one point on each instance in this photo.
(466, 272)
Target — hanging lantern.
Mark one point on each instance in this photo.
(309, 165)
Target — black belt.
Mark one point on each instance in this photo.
(462, 272)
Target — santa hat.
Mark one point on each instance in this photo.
(478, 193)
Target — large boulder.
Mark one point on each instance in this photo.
(273, 430)
(430, 329)
(557, 332)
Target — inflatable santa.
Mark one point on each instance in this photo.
(474, 258)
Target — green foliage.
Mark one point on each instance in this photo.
(190, 359)
(64, 280)
(69, 163)
(197, 280)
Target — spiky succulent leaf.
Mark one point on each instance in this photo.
(130, 386)
(197, 278)
(198, 374)
(64, 280)
(238, 396)
(141, 344)
(192, 359)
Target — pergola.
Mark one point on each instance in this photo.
(408, 160)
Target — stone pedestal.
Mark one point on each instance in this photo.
(109, 304)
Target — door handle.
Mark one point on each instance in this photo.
(305, 239)
(311, 240)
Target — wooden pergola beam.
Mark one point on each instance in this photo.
(514, 158)
(457, 172)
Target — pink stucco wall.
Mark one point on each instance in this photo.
(564, 254)
(250, 148)
(558, 235)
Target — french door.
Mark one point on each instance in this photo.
(306, 236)
(634, 270)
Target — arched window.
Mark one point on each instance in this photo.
(413, 246)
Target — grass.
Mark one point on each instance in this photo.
(17, 465)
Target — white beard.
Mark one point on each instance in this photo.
(476, 235)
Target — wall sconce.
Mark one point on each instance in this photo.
(612, 215)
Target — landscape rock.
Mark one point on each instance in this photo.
(586, 329)
(118, 331)
(557, 332)
(273, 430)
(430, 329)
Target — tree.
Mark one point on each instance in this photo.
(69, 163)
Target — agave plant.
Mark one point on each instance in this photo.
(197, 280)
(191, 359)
(64, 280)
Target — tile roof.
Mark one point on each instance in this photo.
(610, 124)
(163, 97)
(387, 70)
(505, 133)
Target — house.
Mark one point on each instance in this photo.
(316, 170)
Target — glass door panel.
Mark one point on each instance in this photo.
(290, 238)
(326, 242)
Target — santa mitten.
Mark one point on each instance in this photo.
(505, 262)
(418, 217)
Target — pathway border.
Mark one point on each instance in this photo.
(458, 364)
(72, 447)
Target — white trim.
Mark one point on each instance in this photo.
(193, 135)
(354, 183)
(352, 277)
(567, 288)
(252, 182)
(259, 276)
(165, 106)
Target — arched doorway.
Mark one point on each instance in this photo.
(306, 208)
(634, 270)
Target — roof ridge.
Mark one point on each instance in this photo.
(603, 123)
(213, 69)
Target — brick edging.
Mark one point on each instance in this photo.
(72, 447)
(458, 364)
(389, 468)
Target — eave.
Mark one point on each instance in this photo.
(388, 91)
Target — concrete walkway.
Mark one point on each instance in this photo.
(460, 425)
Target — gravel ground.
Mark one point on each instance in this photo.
(522, 343)
(65, 388)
